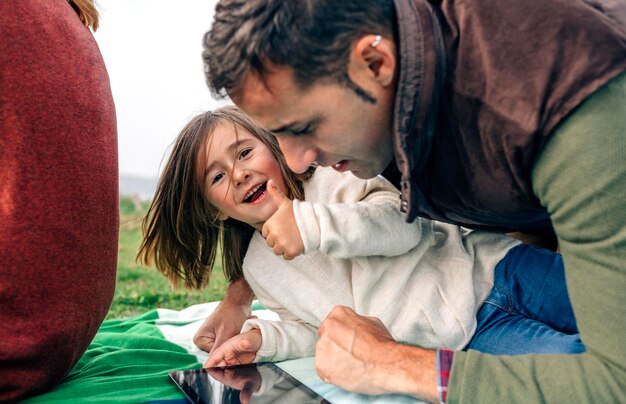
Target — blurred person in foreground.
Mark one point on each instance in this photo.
(58, 191)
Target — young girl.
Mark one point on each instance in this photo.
(430, 283)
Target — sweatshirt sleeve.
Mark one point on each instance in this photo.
(289, 338)
(283, 340)
(580, 177)
(350, 217)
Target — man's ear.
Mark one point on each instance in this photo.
(373, 58)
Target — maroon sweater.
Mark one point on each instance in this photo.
(58, 194)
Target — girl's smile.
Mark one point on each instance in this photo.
(256, 193)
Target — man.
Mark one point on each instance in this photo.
(499, 114)
(58, 192)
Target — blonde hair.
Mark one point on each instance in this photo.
(87, 12)
(181, 229)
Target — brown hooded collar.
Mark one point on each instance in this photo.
(481, 86)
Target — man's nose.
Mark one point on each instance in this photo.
(299, 156)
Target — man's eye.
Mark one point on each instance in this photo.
(302, 131)
(244, 153)
(217, 177)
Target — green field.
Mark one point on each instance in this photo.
(140, 289)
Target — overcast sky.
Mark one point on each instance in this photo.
(152, 52)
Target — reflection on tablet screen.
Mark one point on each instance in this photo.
(254, 383)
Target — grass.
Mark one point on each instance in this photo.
(140, 288)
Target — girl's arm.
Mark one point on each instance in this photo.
(288, 338)
(265, 340)
(344, 216)
(291, 337)
(283, 340)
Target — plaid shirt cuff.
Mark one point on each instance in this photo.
(444, 364)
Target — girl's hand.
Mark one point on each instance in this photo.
(238, 350)
(280, 231)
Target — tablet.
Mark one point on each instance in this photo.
(254, 383)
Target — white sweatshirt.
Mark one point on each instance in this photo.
(425, 280)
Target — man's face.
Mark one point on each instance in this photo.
(327, 123)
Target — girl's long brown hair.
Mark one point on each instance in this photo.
(181, 229)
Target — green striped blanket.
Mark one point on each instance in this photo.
(129, 360)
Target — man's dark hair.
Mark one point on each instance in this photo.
(313, 37)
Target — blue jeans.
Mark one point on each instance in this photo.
(528, 310)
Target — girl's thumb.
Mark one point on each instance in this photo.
(274, 191)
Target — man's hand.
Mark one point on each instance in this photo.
(280, 231)
(238, 350)
(227, 318)
(359, 354)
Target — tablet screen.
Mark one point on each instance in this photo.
(254, 383)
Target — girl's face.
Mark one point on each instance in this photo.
(235, 168)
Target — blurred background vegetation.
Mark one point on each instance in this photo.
(139, 288)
